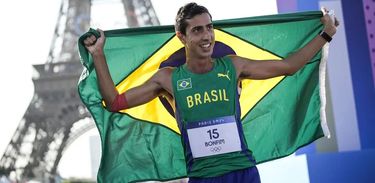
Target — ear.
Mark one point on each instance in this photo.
(181, 37)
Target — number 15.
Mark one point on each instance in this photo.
(214, 134)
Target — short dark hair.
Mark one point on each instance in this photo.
(187, 12)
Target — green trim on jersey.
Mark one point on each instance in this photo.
(207, 96)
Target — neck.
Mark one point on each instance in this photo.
(199, 66)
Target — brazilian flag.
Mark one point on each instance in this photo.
(279, 115)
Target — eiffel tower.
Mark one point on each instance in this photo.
(50, 123)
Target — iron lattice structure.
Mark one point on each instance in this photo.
(48, 126)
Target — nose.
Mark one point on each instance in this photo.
(207, 34)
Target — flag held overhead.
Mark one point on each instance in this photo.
(279, 115)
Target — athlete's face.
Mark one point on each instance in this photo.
(200, 38)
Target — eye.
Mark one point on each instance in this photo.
(210, 27)
(197, 29)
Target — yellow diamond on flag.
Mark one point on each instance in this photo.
(155, 112)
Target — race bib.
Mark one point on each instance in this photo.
(214, 136)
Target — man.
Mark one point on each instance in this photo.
(205, 94)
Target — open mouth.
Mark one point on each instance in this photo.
(206, 45)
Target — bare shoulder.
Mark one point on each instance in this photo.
(164, 73)
(239, 63)
(237, 60)
(164, 78)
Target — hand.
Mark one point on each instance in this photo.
(330, 22)
(93, 45)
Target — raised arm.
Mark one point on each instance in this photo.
(158, 84)
(253, 69)
(131, 98)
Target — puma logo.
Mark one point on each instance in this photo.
(223, 75)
